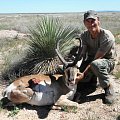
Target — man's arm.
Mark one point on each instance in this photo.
(98, 55)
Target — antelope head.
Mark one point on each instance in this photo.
(70, 72)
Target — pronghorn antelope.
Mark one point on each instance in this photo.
(54, 89)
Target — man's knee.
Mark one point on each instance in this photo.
(96, 64)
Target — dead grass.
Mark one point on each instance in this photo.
(92, 107)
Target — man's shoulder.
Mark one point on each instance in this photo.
(84, 34)
(107, 33)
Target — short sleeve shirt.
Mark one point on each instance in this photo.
(105, 42)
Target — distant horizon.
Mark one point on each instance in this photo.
(60, 12)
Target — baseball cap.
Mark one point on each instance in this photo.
(90, 14)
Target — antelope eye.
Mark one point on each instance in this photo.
(19, 86)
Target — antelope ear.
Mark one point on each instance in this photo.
(79, 63)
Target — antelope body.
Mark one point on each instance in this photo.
(56, 89)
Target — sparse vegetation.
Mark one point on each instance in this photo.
(14, 112)
(14, 51)
(1, 105)
(72, 109)
(40, 56)
(44, 37)
(117, 40)
(117, 73)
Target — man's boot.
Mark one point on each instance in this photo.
(109, 94)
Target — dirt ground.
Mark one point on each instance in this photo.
(91, 108)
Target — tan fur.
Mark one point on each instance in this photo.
(23, 81)
(60, 89)
(23, 94)
(20, 96)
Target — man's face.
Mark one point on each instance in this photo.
(92, 24)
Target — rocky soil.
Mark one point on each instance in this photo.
(91, 107)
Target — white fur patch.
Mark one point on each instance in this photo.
(9, 89)
(79, 63)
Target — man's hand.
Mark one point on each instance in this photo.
(79, 77)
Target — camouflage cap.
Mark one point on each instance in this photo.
(90, 14)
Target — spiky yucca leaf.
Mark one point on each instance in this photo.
(44, 36)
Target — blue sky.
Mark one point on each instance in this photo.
(55, 6)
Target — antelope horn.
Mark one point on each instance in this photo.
(80, 49)
(60, 56)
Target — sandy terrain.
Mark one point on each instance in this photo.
(91, 108)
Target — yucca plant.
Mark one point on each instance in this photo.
(44, 37)
(41, 56)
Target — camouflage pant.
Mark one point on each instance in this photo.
(100, 68)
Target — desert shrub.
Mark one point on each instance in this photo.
(40, 55)
(117, 40)
(44, 37)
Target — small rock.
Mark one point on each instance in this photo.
(115, 110)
